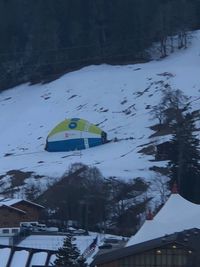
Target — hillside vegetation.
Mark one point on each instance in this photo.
(41, 40)
(149, 109)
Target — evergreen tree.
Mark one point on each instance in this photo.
(81, 262)
(68, 255)
(183, 150)
(185, 158)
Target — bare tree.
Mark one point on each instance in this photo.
(159, 186)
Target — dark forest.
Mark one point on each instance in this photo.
(42, 39)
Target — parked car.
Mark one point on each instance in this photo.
(41, 227)
(26, 226)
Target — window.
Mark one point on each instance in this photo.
(5, 231)
(14, 231)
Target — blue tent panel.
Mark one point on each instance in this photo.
(74, 134)
(66, 145)
(94, 142)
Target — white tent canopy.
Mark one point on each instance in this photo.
(176, 215)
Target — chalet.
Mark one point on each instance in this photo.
(15, 212)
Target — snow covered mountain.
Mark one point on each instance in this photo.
(116, 98)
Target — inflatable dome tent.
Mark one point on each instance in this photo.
(74, 134)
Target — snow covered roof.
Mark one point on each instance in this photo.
(13, 201)
(176, 215)
(9, 201)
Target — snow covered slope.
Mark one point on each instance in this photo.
(117, 98)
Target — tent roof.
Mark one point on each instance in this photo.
(76, 124)
(176, 215)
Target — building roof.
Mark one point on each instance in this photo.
(12, 208)
(190, 239)
(13, 201)
(176, 215)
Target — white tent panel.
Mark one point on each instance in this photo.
(39, 258)
(19, 258)
(4, 256)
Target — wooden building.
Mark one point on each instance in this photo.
(180, 249)
(15, 212)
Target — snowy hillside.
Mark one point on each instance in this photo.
(116, 98)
